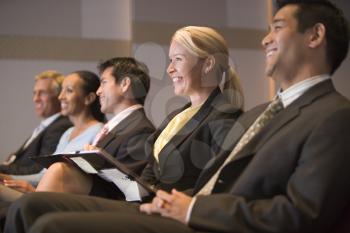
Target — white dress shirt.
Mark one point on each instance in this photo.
(114, 121)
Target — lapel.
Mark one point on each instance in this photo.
(190, 126)
(127, 123)
(284, 117)
(37, 138)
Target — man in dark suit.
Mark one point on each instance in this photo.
(124, 86)
(289, 172)
(45, 137)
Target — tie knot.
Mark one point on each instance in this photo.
(103, 132)
(275, 106)
(105, 129)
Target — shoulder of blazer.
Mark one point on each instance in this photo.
(58, 126)
(217, 106)
(136, 120)
(61, 121)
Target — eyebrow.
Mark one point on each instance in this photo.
(178, 54)
(275, 21)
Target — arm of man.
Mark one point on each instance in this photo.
(315, 195)
(47, 145)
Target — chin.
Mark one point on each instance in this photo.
(179, 91)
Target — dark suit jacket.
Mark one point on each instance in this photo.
(44, 144)
(185, 155)
(294, 176)
(126, 142)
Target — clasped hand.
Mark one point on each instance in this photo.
(172, 205)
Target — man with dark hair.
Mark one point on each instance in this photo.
(124, 86)
(289, 172)
(308, 14)
(140, 84)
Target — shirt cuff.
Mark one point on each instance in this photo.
(189, 210)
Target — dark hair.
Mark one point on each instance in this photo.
(311, 12)
(91, 84)
(123, 67)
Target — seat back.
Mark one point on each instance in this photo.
(343, 225)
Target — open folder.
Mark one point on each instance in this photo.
(107, 167)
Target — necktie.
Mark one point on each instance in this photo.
(265, 117)
(103, 132)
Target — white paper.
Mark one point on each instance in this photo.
(127, 186)
(84, 165)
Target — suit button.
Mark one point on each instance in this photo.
(220, 181)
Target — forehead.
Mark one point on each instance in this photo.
(286, 14)
(43, 84)
(177, 49)
(73, 80)
(107, 73)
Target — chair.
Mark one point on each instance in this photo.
(343, 225)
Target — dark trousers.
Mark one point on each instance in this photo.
(55, 212)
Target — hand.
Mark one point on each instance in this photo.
(155, 207)
(19, 185)
(5, 177)
(90, 147)
(172, 205)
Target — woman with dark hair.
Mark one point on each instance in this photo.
(81, 104)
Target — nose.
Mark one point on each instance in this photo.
(35, 97)
(99, 90)
(61, 95)
(266, 40)
(170, 68)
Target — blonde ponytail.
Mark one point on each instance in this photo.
(232, 88)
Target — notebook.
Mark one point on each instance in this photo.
(107, 167)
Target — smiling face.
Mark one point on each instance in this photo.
(185, 70)
(110, 92)
(284, 45)
(72, 97)
(45, 98)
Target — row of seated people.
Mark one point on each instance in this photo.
(280, 167)
(201, 125)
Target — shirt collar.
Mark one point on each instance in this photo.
(114, 121)
(292, 93)
(46, 122)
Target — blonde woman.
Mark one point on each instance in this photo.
(192, 135)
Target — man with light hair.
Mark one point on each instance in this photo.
(45, 137)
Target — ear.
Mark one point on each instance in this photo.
(317, 37)
(90, 98)
(125, 84)
(209, 64)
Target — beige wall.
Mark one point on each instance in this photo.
(47, 34)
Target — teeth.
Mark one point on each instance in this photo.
(176, 79)
(269, 53)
